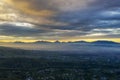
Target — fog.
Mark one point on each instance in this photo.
(79, 47)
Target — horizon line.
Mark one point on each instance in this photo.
(56, 41)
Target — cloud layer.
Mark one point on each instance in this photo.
(60, 19)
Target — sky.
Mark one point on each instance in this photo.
(63, 20)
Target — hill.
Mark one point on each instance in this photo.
(104, 42)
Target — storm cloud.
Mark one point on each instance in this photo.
(61, 19)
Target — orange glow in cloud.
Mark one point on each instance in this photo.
(25, 7)
(25, 14)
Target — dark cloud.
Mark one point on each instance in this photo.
(80, 20)
(60, 5)
(21, 31)
(100, 14)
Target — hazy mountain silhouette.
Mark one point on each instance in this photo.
(104, 42)
(19, 42)
(81, 47)
(38, 42)
(95, 42)
(80, 42)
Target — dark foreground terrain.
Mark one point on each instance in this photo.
(16, 64)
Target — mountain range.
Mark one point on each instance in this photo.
(95, 42)
(78, 46)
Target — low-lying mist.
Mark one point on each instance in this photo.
(79, 47)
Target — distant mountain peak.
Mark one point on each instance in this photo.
(104, 42)
(80, 42)
(42, 42)
(95, 42)
(57, 41)
(19, 42)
